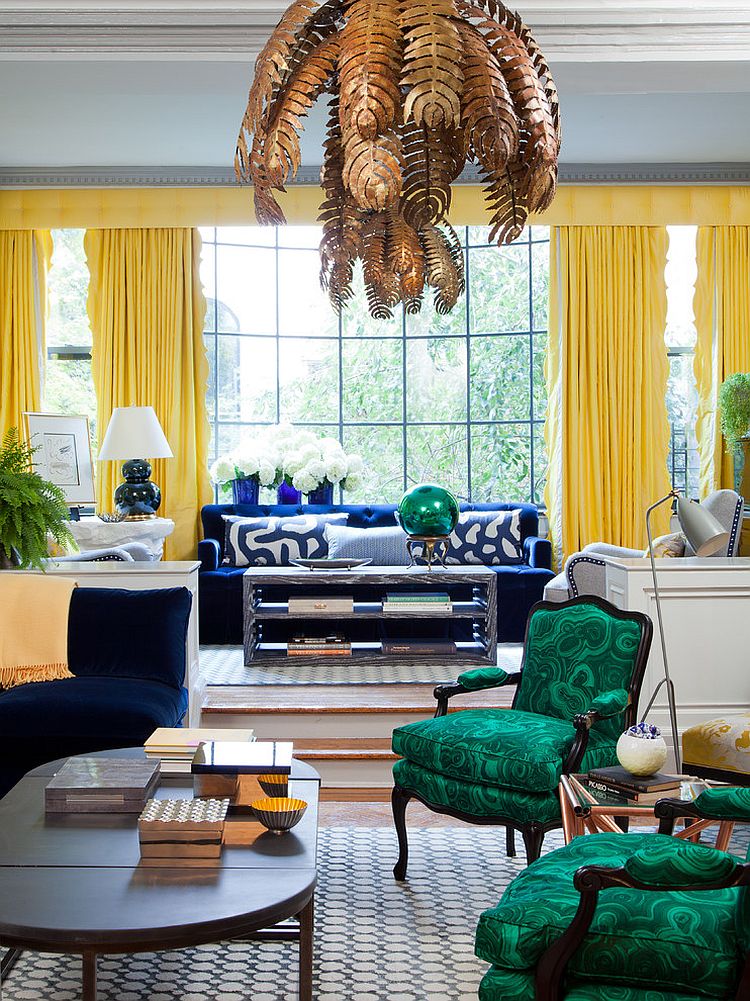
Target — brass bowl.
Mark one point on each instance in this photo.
(279, 814)
(274, 785)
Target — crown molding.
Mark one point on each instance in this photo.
(570, 173)
(596, 30)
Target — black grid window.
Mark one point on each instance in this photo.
(457, 399)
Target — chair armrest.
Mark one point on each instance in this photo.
(732, 803)
(209, 553)
(537, 552)
(472, 681)
(607, 549)
(604, 706)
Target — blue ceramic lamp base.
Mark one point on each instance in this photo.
(137, 498)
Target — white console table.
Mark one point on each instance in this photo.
(93, 533)
(143, 576)
(705, 605)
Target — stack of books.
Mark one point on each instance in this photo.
(332, 645)
(174, 747)
(638, 790)
(419, 648)
(437, 602)
(330, 604)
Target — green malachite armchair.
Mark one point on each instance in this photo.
(626, 917)
(577, 691)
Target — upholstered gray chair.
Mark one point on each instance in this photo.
(128, 552)
(585, 572)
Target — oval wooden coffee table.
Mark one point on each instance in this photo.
(72, 883)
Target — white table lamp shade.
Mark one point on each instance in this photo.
(134, 432)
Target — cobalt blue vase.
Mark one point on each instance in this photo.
(245, 491)
(322, 495)
(287, 494)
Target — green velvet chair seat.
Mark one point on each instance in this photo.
(687, 940)
(510, 748)
(518, 985)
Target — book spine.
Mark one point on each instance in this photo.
(428, 649)
(319, 653)
(634, 795)
(422, 599)
(414, 607)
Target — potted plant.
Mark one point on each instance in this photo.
(734, 406)
(32, 510)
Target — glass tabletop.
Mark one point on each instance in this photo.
(584, 797)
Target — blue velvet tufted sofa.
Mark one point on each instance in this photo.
(126, 650)
(519, 586)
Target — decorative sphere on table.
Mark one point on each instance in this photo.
(427, 510)
(641, 750)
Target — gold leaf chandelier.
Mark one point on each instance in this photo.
(417, 88)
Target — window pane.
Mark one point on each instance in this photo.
(436, 379)
(540, 284)
(300, 236)
(68, 286)
(382, 451)
(438, 455)
(500, 389)
(246, 289)
(304, 308)
(355, 316)
(428, 322)
(309, 379)
(372, 387)
(247, 236)
(499, 278)
(210, 344)
(247, 378)
(541, 465)
(680, 276)
(540, 386)
(70, 390)
(500, 462)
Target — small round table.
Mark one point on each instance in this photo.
(73, 883)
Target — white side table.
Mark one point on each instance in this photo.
(93, 533)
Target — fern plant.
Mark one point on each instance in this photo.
(734, 404)
(31, 508)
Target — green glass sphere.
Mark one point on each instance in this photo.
(427, 510)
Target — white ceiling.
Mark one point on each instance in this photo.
(106, 93)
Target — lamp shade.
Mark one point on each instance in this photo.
(704, 533)
(134, 431)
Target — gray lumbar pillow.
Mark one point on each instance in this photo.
(386, 547)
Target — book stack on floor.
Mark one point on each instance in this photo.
(436, 602)
(182, 831)
(331, 645)
(332, 604)
(619, 783)
(174, 747)
(101, 785)
(420, 648)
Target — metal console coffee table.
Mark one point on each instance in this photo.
(473, 590)
(72, 883)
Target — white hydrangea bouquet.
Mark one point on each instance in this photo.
(301, 458)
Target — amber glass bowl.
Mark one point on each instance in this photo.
(279, 814)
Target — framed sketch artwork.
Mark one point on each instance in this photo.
(63, 453)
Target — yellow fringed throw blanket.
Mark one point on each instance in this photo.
(33, 628)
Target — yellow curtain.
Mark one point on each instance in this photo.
(607, 430)
(722, 318)
(146, 308)
(24, 261)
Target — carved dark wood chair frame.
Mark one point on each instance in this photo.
(532, 832)
(590, 880)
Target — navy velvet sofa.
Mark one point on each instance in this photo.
(126, 649)
(519, 586)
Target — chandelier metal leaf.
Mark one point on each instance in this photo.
(417, 88)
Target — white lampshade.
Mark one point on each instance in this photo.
(134, 433)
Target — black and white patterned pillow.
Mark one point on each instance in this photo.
(491, 538)
(274, 542)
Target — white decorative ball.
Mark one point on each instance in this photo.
(639, 756)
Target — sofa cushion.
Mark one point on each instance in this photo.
(518, 750)
(639, 938)
(262, 542)
(104, 711)
(124, 633)
(487, 538)
(386, 547)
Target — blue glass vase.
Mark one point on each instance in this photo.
(322, 495)
(287, 494)
(245, 491)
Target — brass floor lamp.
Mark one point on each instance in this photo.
(706, 536)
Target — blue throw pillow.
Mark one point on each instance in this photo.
(275, 542)
(386, 547)
(491, 538)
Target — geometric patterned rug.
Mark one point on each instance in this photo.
(375, 939)
(224, 665)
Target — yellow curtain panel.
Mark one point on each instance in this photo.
(607, 430)
(24, 261)
(722, 318)
(146, 308)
